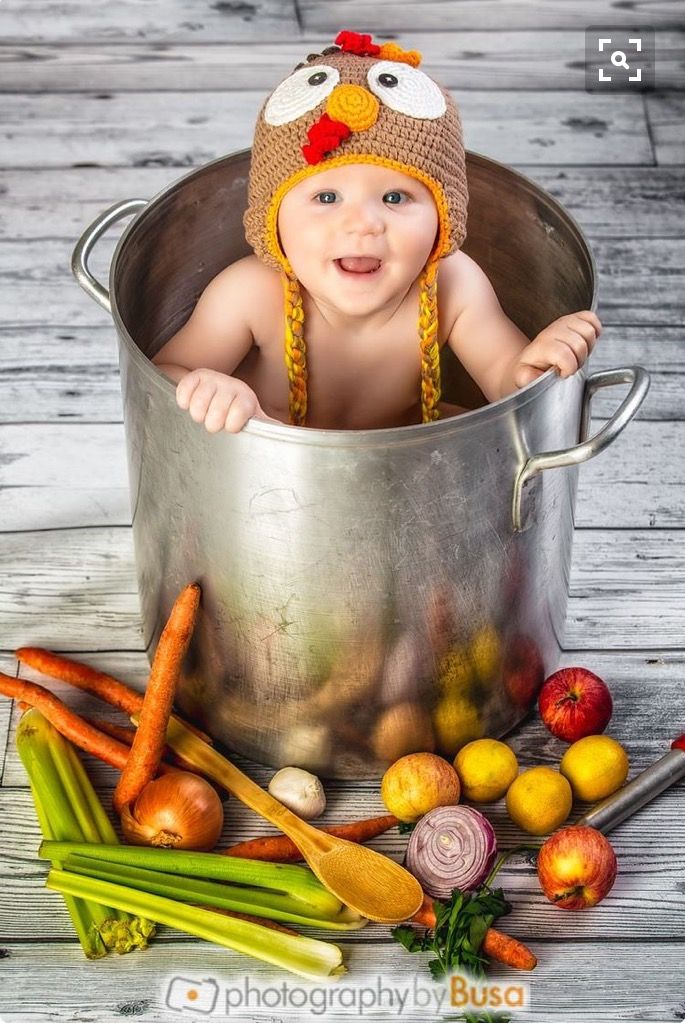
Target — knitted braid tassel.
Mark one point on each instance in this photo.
(428, 340)
(295, 351)
(296, 354)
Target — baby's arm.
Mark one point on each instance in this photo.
(200, 356)
(492, 349)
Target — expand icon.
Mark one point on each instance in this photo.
(619, 59)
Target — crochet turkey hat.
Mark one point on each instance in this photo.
(357, 102)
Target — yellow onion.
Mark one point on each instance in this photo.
(178, 810)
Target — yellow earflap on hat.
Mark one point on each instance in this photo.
(357, 102)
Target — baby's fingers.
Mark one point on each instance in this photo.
(215, 417)
(243, 407)
(185, 388)
(564, 357)
(586, 316)
(201, 399)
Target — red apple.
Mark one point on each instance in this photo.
(577, 867)
(574, 702)
(524, 671)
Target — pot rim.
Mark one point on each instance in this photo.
(317, 436)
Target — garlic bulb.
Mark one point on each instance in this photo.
(300, 791)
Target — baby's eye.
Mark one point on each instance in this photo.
(327, 198)
(395, 201)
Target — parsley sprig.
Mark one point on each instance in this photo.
(460, 926)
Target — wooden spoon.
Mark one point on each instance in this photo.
(370, 883)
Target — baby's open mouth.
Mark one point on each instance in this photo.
(359, 264)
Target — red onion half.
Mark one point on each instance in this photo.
(451, 847)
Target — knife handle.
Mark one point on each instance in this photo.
(623, 803)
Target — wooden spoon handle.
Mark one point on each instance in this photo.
(219, 769)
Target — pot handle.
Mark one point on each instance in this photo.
(83, 247)
(634, 375)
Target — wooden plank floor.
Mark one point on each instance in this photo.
(102, 102)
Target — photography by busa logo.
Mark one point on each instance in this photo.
(619, 59)
(256, 999)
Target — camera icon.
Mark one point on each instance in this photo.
(200, 996)
(619, 60)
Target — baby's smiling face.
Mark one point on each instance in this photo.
(358, 210)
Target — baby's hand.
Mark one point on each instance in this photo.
(566, 343)
(219, 401)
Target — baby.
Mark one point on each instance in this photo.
(358, 231)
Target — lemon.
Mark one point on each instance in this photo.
(595, 766)
(456, 721)
(486, 769)
(539, 800)
(456, 672)
(486, 653)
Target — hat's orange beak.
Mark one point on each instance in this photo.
(354, 105)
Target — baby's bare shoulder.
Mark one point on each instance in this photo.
(249, 270)
(255, 291)
(465, 276)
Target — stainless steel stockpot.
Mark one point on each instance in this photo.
(365, 593)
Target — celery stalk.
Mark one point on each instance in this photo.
(104, 832)
(80, 911)
(307, 957)
(291, 879)
(254, 901)
(68, 808)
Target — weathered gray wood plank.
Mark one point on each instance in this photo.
(628, 202)
(610, 981)
(8, 665)
(60, 21)
(185, 129)
(404, 16)
(626, 590)
(463, 60)
(640, 282)
(631, 486)
(666, 114)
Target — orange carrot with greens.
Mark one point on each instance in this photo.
(150, 738)
(69, 724)
(501, 947)
(98, 683)
(281, 849)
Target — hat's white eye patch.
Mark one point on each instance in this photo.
(300, 93)
(406, 89)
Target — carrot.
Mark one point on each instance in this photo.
(280, 849)
(508, 950)
(426, 914)
(150, 738)
(501, 947)
(106, 687)
(126, 734)
(71, 726)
